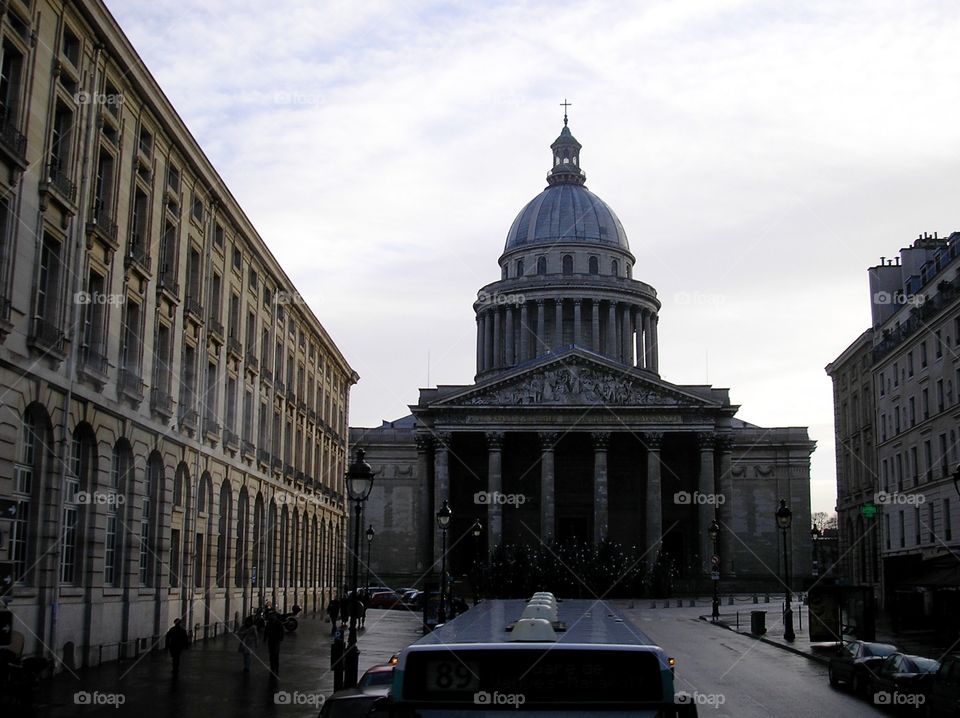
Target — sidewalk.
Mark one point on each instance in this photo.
(211, 682)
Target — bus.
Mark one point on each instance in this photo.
(554, 658)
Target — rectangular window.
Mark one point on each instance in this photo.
(910, 363)
(896, 420)
(944, 465)
(947, 525)
(61, 143)
(913, 412)
(237, 259)
(903, 531)
(925, 403)
(923, 354)
(218, 235)
(251, 334)
(103, 187)
(896, 374)
(132, 344)
(175, 558)
(48, 286)
(939, 395)
(145, 142)
(161, 360)
(198, 557)
(253, 279)
(173, 179)
(94, 320)
(139, 226)
(886, 475)
(11, 74)
(110, 547)
(914, 465)
(899, 472)
(916, 518)
(197, 207)
(70, 47)
(68, 555)
(216, 297)
(194, 279)
(939, 344)
(263, 426)
(231, 417)
(233, 316)
(168, 256)
(883, 427)
(248, 417)
(931, 518)
(188, 388)
(211, 392)
(145, 515)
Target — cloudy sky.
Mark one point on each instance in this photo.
(761, 156)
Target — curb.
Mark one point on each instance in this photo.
(791, 649)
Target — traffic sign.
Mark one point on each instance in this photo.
(715, 575)
(715, 561)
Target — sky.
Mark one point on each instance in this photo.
(761, 156)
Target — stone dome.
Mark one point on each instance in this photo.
(566, 212)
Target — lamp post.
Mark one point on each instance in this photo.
(443, 521)
(814, 539)
(370, 534)
(359, 484)
(784, 518)
(476, 530)
(714, 532)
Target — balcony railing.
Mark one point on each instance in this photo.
(288, 470)
(234, 347)
(263, 457)
(12, 139)
(46, 336)
(58, 179)
(251, 360)
(161, 402)
(280, 387)
(130, 384)
(192, 306)
(210, 426)
(291, 395)
(231, 440)
(215, 327)
(277, 463)
(167, 282)
(189, 419)
(247, 448)
(138, 256)
(266, 374)
(93, 362)
(102, 224)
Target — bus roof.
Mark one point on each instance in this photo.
(585, 621)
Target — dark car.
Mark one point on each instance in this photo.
(384, 599)
(943, 698)
(376, 677)
(356, 703)
(854, 662)
(902, 681)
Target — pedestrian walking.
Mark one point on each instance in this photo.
(333, 612)
(345, 607)
(274, 634)
(249, 641)
(177, 642)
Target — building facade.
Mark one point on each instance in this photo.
(173, 425)
(570, 433)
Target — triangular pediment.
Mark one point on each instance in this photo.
(576, 378)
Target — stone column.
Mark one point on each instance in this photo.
(557, 324)
(654, 518)
(424, 508)
(497, 337)
(705, 507)
(441, 485)
(510, 358)
(548, 513)
(612, 331)
(725, 510)
(639, 324)
(487, 341)
(647, 336)
(627, 338)
(524, 333)
(494, 489)
(654, 351)
(479, 344)
(601, 513)
(595, 337)
(577, 324)
(541, 334)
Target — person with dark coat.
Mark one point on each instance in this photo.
(274, 634)
(345, 608)
(177, 642)
(333, 611)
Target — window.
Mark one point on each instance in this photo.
(567, 264)
(196, 208)
(117, 487)
(68, 555)
(917, 536)
(925, 403)
(240, 570)
(198, 560)
(168, 256)
(210, 395)
(103, 187)
(939, 395)
(173, 179)
(947, 525)
(928, 459)
(94, 321)
(233, 316)
(216, 297)
(139, 226)
(231, 414)
(253, 279)
(237, 259)
(251, 333)
(218, 235)
(70, 47)
(913, 412)
(903, 531)
(594, 265)
(896, 374)
(914, 465)
(188, 387)
(944, 466)
(267, 297)
(161, 359)
(175, 558)
(145, 142)
(899, 472)
(132, 344)
(910, 364)
(615, 268)
(153, 480)
(939, 345)
(48, 285)
(11, 72)
(541, 265)
(923, 354)
(520, 267)
(194, 280)
(248, 418)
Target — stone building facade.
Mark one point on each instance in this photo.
(173, 425)
(569, 431)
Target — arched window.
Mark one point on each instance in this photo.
(149, 518)
(27, 472)
(615, 268)
(283, 546)
(224, 522)
(594, 265)
(541, 265)
(240, 570)
(271, 550)
(75, 513)
(257, 578)
(519, 267)
(567, 264)
(119, 485)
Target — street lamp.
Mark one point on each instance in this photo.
(370, 534)
(784, 518)
(476, 530)
(714, 532)
(814, 539)
(359, 484)
(443, 521)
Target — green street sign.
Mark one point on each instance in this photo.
(869, 510)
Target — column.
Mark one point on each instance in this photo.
(494, 489)
(725, 510)
(487, 341)
(654, 517)
(524, 333)
(638, 323)
(541, 334)
(497, 344)
(626, 339)
(424, 509)
(612, 331)
(595, 338)
(654, 351)
(548, 512)
(705, 507)
(479, 344)
(647, 361)
(441, 486)
(557, 325)
(510, 358)
(601, 520)
(577, 325)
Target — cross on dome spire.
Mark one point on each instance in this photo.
(565, 105)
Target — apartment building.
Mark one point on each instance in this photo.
(173, 428)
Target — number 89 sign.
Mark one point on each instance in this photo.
(453, 676)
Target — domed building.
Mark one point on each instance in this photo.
(569, 432)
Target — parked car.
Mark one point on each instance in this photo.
(902, 681)
(356, 703)
(854, 662)
(384, 599)
(377, 589)
(413, 598)
(943, 698)
(376, 677)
